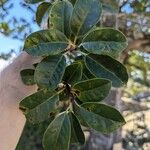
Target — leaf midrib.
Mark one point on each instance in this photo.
(60, 59)
(105, 130)
(47, 100)
(104, 68)
(56, 42)
(95, 87)
(83, 21)
(95, 42)
(74, 71)
(57, 137)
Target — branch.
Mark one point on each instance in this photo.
(138, 44)
(123, 4)
(134, 106)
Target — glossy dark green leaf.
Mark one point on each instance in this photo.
(34, 100)
(86, 74)
(46, 42)
(105, 41)
(85, 15)
(101, 117)
(58, 133)
(77, 135)
(73, 73)
(39, 106)
(33, 1)
(60, 15)
(103, 66)
(50, 71)
(73, 1)
(41, 11)
(27, 76)
(92, 90)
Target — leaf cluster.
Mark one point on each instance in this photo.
(77, 71)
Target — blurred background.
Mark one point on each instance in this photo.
(132, 17)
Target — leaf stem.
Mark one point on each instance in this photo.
(75, 40)
(71, 96)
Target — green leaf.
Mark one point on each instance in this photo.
(73, 1)
(105, 41)
(103, 66)
(27, 76)
(50, 71)
(57, 135)
(73, 73)
(92, 90)
(39, 106)
(41, 11)
(33, 1)
(85, 15)
(101, 117)
(60, 15)
(77, 135)
(46, 42)
(35, 99)
(86, 74)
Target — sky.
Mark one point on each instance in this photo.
(4, 63)
(7, 43)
